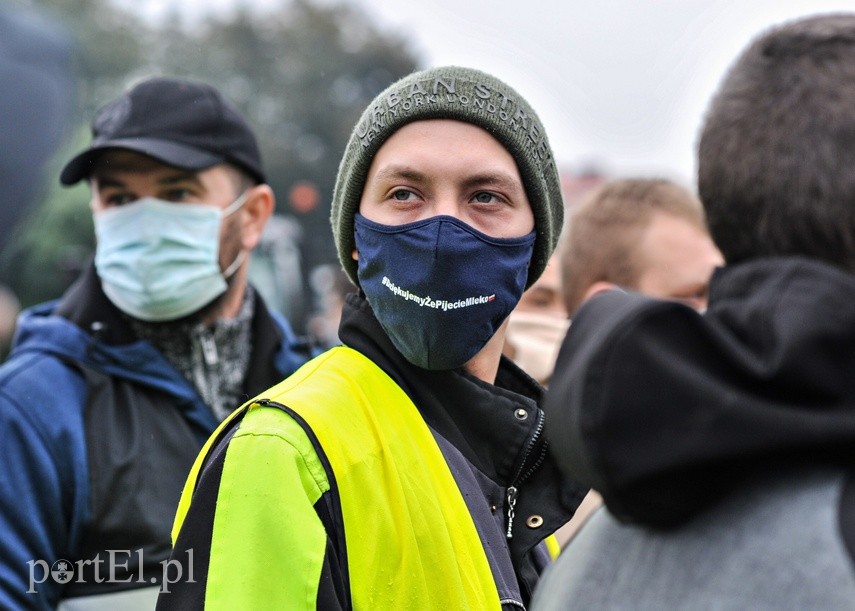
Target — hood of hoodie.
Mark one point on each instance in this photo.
(664, 410)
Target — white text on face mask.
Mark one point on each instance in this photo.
(438, 304)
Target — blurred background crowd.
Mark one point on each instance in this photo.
(300, 74)
(300, 71)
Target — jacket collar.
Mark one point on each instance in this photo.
(482, 420)
(86, 305)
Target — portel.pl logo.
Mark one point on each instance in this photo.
(115, 568)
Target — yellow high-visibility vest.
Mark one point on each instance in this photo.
(410, 539)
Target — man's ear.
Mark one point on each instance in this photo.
(259, 205)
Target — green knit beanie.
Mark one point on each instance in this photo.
(462, 94)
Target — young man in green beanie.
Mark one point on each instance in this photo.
(406, 468)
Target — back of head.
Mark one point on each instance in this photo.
(604, 232)
(777, 149)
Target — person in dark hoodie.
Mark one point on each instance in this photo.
(406, 468)
(110, 392)
(722, 443)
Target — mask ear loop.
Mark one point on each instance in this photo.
(231, 269)
(241, 256)
(235, 205)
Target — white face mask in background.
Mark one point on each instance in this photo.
(535, 339)
(159, 260)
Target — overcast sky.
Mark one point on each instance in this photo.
(621, 83)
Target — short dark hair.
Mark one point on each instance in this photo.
(776, 155)
(601, 240)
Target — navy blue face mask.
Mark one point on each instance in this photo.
(439, 287)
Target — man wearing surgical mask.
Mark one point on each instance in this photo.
(538, 324)
(110, 391)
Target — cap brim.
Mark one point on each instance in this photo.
(169, 153)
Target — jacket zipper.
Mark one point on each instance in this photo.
(523, 473)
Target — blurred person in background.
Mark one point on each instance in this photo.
(36, 105)
(110, 391)
(276, 269)
(10, 307)
(722, 442)
(538, 324)
(330, 286)
(642, 234)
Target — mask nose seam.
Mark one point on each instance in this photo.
(436, 240)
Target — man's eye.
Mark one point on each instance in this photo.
(118, 199)
(178, 195)
(402, 195)
(484, 197)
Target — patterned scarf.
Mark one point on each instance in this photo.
(215, 358)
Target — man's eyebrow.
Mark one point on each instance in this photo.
(178, 177)
(498, 179)
(542, 290)
(501, 180)
(392, 172)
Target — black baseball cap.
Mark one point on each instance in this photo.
(181, 123)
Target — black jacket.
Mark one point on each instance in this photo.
(664, 410)
(491, 438)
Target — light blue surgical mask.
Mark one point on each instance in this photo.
(159, 260)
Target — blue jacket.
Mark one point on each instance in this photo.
(97, 434)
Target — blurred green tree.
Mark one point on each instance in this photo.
(301, 73)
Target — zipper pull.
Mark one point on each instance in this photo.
(512, 501)
(209, 349)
